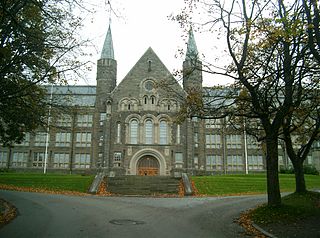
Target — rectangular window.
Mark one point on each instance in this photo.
(64, 120)
(234, 141)
(61, 160)
(83, 139)
(196, 140)
(178, 160)
(252, 143)
(84, 120)
(214, 162)
(19, 159)
(117, 159)
(40, 139)
(213, 141)
(178, 134)
(235, 163)
(63, 139)
(163, 133)
(3, 158)
(213, 123)
(103, 117)
(118, 133)
(255, 162)
(26, 140)
(38, 159)
(82, 161)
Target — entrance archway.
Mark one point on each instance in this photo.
(148, 166)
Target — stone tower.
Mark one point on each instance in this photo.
(192, 66)
(106, 70)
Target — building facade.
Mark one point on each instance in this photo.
(130, 128)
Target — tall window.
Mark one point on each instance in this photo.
(163, 132)
(61, 160)
(134, 131)
(40, 139)
(178, 135)
(214, 162)
(19, 159)
(196, 139)
(83, 139)
(234, 141)
(213, 141)
(118, 133)
(3, 158)
(63, 139)
(82, 161)
(84, 120)
(149, 132)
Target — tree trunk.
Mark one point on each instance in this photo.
(299, 176)
(273, 188)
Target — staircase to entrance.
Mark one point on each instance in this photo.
(142, 185)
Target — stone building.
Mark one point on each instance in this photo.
(129, 127)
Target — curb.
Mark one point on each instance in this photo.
(267, 234)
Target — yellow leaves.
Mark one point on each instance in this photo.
(7, 213)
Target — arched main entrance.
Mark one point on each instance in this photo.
(148, 166)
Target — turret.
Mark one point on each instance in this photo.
(106, 68)
(192, 66)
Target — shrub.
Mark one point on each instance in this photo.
(310, 169)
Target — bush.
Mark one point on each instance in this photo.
(307, 169)
(310, 169)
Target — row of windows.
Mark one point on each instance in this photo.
(62, 139)
(214, 141)
(60, 160)
(148, 132)
(148, 103)
(234, 162)
(83, 120)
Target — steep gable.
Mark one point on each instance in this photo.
(149, 66)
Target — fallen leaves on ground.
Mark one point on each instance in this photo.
(8, 213)
(40, 190)
(245, 221)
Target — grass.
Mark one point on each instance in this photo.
(52, 182)
(294, 207)
(247, 184)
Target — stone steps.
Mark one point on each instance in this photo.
(142, 185)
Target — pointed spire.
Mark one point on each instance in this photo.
(192, 51)
(107, 50)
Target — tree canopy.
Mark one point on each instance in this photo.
(38, 45)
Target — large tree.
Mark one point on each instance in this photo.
(271, 64)
(38, 43)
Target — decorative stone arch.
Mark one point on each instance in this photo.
(151, 152)
(133, 116)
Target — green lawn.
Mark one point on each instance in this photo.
(294, 207)
(246, 184)
(54, 182)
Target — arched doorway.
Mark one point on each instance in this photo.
(148, 166)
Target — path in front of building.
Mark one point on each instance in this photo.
(48, 215)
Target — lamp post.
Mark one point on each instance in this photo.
(48, 131)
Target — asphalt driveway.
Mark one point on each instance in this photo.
(48, 215)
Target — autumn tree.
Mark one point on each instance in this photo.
(270, 62)
(38, 45)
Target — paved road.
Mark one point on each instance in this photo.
(47, 215)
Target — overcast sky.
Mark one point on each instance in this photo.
(141, 24)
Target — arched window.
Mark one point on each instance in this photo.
(145, 100)
(149, 132)
(134, 131)
(153, 100)
(163, 133)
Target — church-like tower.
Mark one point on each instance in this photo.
(106, 70)
(192, 66)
